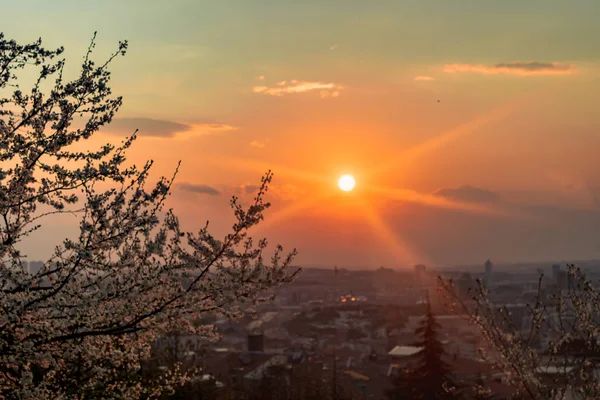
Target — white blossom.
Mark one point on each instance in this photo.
(83, 325)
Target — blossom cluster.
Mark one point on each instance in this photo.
(83, 325)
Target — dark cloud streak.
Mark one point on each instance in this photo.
(469, 194)
(534, 66)
(199, 189)
(516, 68)
(146, 126)
(251, 188)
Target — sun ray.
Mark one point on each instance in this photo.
(469, 127)
(412, 196)
(262, 167)
(291, 210)
(400, 249)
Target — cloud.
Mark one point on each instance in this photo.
(243, 189)
(250, 188)
(260, 78)
(146, 126)
(424, 78)
(161, 128)
(516, 68)
(326, 90)
(199, 189)
(469, 194)
(206, 128)
(335, 46)
(259, 143)
(285, 192)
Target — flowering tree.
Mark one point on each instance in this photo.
(82, 325)
(551, 351)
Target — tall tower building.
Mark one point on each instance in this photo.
(556, 273)
(35, 266)
(420, 269)
(489, 267)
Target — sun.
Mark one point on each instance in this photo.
(346, 183)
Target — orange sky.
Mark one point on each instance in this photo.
(236, 91)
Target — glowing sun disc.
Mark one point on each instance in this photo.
(346, 183)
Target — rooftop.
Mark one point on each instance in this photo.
(404, 351)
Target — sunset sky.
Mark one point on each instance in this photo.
(504, 166)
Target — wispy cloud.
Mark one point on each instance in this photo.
(249, 189)
(259, 143)
(285, 192)
(161, 128)
(208, 128)
(146, 127)
(516, 68)
(468, 194)
(282, 88)
(335, 46)
(424, 78)
(199, 189)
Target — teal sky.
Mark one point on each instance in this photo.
(198, 62)
(200, 54)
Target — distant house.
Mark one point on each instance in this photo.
(404, 351)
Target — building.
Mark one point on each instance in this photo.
(565, 280)
(556, 272)
(35, 267)
(420, 269)
(256, 337)
(489, 267)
